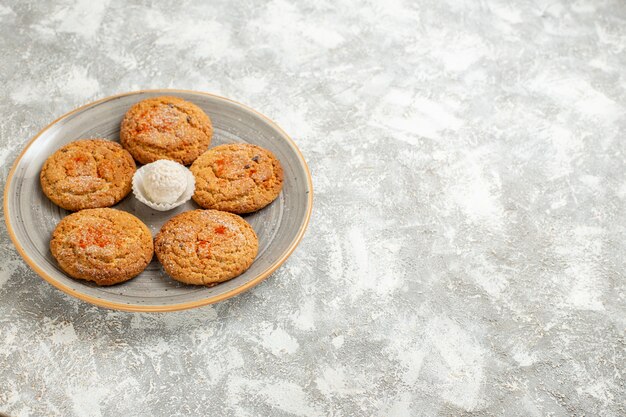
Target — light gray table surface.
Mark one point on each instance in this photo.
(466, 252)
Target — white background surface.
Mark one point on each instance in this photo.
(466, 250)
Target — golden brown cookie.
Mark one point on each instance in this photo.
(239, 177)
(88, 173)
(166, 128)
(103, 245)
(205, 247)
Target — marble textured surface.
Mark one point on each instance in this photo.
(466, 251)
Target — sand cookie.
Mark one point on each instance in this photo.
(166, 128)
(106, 246)
(205, 247)
(239, 178)
(88, 173)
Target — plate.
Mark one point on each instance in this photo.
(31, 217)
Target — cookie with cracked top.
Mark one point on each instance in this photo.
(166, 128)
(206, 247)
(104, 245)
(238, 177)
(87, 173)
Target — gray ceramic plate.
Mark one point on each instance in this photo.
(31, 217)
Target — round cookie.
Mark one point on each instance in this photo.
(205, 247)
(104, 245)
(166, 128)
(238, 177)
(87, 173)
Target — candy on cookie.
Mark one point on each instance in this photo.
(163, 185)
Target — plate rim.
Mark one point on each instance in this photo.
(156, 308)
